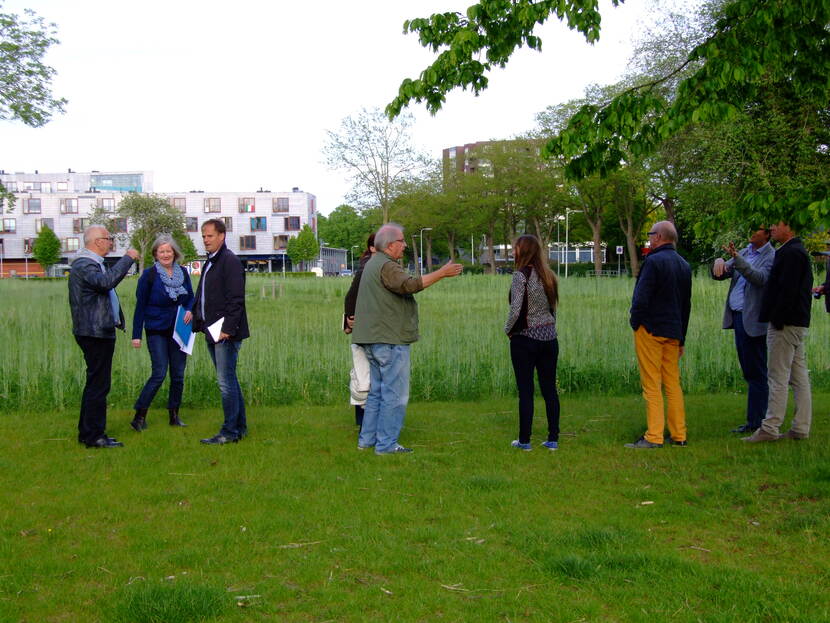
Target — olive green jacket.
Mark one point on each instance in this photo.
(386, 311)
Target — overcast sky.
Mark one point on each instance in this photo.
(234, 96)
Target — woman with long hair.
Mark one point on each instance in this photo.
(531, 327)
(359, 377)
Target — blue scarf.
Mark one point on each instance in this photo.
(174, 286)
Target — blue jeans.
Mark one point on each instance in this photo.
(224, 355)
(164, 353)
(388, 395)
(752, 355)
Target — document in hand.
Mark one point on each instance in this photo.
(183, 333)
(215, 329)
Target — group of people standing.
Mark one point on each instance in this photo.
(162, 291)
(767, 306)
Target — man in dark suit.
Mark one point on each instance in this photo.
(824, 288)
(220, 303)
(749, 270)
(786, 306)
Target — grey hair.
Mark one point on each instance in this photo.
(89, 231)
(168, 239)
(386, 235)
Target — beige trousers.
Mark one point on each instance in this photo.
(787, 365)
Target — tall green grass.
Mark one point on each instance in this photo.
(298, 354)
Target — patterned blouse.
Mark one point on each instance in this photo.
(541, 321)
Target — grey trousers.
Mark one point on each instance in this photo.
(787, 365)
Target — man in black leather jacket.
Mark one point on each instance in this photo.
(96, 313)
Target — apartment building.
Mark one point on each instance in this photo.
(259, 224)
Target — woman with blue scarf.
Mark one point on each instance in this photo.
(161, 289)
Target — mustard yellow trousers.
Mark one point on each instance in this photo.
(659, 361)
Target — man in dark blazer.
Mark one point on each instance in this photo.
(786, 306)
(824, 288)
(220, 305)
(749, 270)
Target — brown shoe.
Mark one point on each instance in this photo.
(791, 434)
(761, 435)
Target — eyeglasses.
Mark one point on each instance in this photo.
(401, 240)
(110, 238)
(652, 233)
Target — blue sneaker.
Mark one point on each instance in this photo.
(551, 445)
(396, 449)
(521, 446)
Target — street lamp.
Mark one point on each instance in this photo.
(421, 254)
(558, 244)
(351, 251)
(322, 264)
(568, 212)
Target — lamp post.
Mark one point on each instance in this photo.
(568, 212)
(354, 246)
(322, 264)
(558, 244)
(472, 249)
(421, 253)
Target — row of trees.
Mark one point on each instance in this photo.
(722, 125)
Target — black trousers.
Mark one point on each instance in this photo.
(98, 356)
(528, 354)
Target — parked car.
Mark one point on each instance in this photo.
(346, 273)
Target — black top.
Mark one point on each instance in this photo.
(350, 302)
(224, 296)
(662, 297)
(786, 298)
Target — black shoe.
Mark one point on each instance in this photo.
(174, 418)
(682, 444)
(105, 442)
(745, 428)
(643, 444)
(139, 422)
(218, 440)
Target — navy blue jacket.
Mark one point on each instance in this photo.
(154, 309)
(786, 299)
(662, 297)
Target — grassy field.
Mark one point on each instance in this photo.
(298, 355)
(295, 524)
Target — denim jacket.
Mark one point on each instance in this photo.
(89, 300)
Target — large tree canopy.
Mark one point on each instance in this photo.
(753, 46)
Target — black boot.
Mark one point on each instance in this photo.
(139, 422)
(174, 417)
(358, 415)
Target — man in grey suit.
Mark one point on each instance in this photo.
(749, 270)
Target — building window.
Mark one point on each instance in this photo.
(11, 186)
(279, 204)
(79, 225)
(191, 223)
(40, 223)
(71, 244)
(247, 243)
(63, 187)
(213, 204)
(31, 206)
(106, 204)
(46, 187)
(28, 245)
(228, 222)
(32, 186)
(246, 204)
(280, 242)
(259, 223)
(292, 223)
(119, 226)
(69, 206)
(9, 226)
(180, 203)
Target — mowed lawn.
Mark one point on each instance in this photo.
(295, 524)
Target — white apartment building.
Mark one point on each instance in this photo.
(259, 224)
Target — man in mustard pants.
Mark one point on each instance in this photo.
(660, 317)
